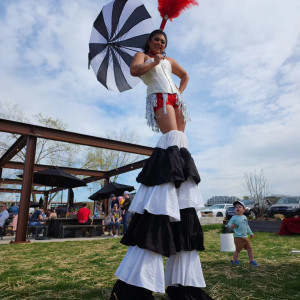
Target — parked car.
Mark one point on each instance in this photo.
(229, 212)
(287, 206)
(217, 210)
(251, 210)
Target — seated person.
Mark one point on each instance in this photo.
(84, 215)
(4, 215)
(13, 209)
(116, 218)
(84, 218)
(53, 214)
(99, 211)
(37, 219)
(14, 222)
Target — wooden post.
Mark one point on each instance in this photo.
(26, 190)
(0, 176)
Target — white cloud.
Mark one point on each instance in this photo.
(243, 58)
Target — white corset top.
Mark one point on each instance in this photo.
(159, 79)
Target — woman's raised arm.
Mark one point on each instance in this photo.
(138, 66)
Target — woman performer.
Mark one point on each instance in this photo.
(165, 220)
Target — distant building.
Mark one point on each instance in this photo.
(222, 199)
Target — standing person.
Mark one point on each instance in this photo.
(239, 223)
(125, 210)
(111, 198)
(165, 222)
(115, 201)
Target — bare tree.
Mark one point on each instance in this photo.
(47, 151)
(65, 154)
(258, 188)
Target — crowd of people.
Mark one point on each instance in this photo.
(117, 215)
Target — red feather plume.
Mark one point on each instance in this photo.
(173, 8)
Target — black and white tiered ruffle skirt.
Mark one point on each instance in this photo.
(165, 222)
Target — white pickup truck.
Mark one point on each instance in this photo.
(217, 210)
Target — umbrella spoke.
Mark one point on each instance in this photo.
(116, 13)
(138, 15)
(95, 49)
(102, 72)
(121, 81)
(135, 42)
(124, 55)
(99, 24)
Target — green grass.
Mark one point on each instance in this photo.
(85, 269)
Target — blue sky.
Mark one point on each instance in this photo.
(243, 59)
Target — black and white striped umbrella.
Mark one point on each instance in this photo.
(120, 30)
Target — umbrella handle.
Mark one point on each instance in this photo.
(163, 22)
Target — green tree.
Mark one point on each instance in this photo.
(105, 160)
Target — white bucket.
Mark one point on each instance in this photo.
(227, 242)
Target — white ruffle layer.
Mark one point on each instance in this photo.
(185, 269)
(165, 199)
(144, 268)
(173, 138)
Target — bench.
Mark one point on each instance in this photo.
(63, 227)
(36, 235)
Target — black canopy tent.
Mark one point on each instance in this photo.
(112, 188)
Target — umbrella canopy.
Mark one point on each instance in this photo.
(111, 188)
(121, 29)
(56, 177)
(34, 204)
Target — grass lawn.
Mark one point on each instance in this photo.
(85, 269)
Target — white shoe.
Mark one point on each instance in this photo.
(115, 236)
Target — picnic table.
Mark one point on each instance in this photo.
(68, 226)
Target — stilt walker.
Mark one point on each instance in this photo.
(166, 206)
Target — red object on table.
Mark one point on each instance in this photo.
(290, 226)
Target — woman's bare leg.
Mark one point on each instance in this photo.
(166, 122)
(179, 119)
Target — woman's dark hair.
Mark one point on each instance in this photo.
(152, 34)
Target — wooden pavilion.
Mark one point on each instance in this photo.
(28, 135)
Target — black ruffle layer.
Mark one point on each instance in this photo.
(168, 165)
(186, 293)
(125, 291)
(156, 233)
